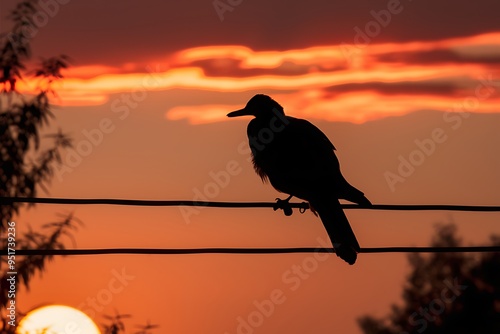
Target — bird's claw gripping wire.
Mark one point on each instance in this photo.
(304, 207)
(284, 204)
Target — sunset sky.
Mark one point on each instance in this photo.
(407, 91)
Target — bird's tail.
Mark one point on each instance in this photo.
(356, 196)
(338, 228)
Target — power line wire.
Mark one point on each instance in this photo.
(303, 205)
(174, 251)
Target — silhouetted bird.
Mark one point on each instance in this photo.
(299, 160)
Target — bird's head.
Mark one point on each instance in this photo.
(259, 106)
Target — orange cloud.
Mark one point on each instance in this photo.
(351, 68)
(356, 107)
(263, 59)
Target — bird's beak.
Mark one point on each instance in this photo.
(241, 112)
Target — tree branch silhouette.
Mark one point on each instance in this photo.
(445, 292)
(24, 166)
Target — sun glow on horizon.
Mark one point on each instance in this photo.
(57, 319)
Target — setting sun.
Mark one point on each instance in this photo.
(58, 319)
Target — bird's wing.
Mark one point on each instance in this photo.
(299, 160)
(324, 165)
(314, 152)
(309, 133)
